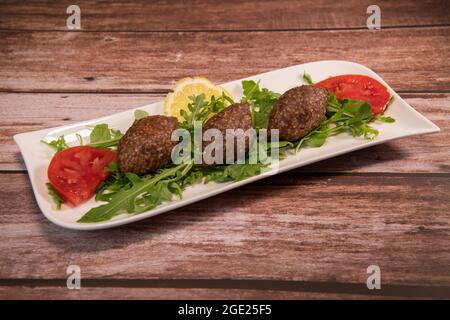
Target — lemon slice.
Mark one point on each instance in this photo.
(178, 99)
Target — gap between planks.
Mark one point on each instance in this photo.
(274, 285)
(312, 29)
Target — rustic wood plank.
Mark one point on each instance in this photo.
(229, 15)
(299, 227)
(210, 289)
(27, 112)
(93, 293)
(413, 59)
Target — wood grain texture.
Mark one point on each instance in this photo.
(118, 293)
(306, 234)
(153, 61)
(287, 227)
(228, 15)
(27, 112)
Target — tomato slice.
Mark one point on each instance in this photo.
(77, 172)
(358, 87)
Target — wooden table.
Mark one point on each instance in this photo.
(309, 233)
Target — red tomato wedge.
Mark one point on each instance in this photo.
(358, 87)
(77, 172)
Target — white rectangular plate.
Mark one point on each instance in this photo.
(37, 155)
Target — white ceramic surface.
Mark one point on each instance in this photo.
(37, 155)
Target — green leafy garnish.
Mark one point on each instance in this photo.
(58, 144)
(55, 196)
(201, 110)
(348, 115)
(126, 192)
(116, 182)
(143, 194)
(261, 100)
(79, 138)
(102, 136)
(307, 79)
(139, 114)
(385, 119)
(232, 172)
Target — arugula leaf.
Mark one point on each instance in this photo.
(316, 139)
(261, 100)
(348, 115)
(250, 86)
(55, 195)
(58, 144)
(103, 136)
(279, 144)
(139, 114)
(100, 133)
(79, 138)
(197, 109)
(232, 172)
(115, 182)
(359, 109)
(143, 194)
(194, 176)
(307, 79)
(385, 119)
(333, 105)
(202, 110)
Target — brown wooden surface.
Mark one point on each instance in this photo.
(139, 293)
(153, 61)
(244, 233)
(309, 233)
(210, 15)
